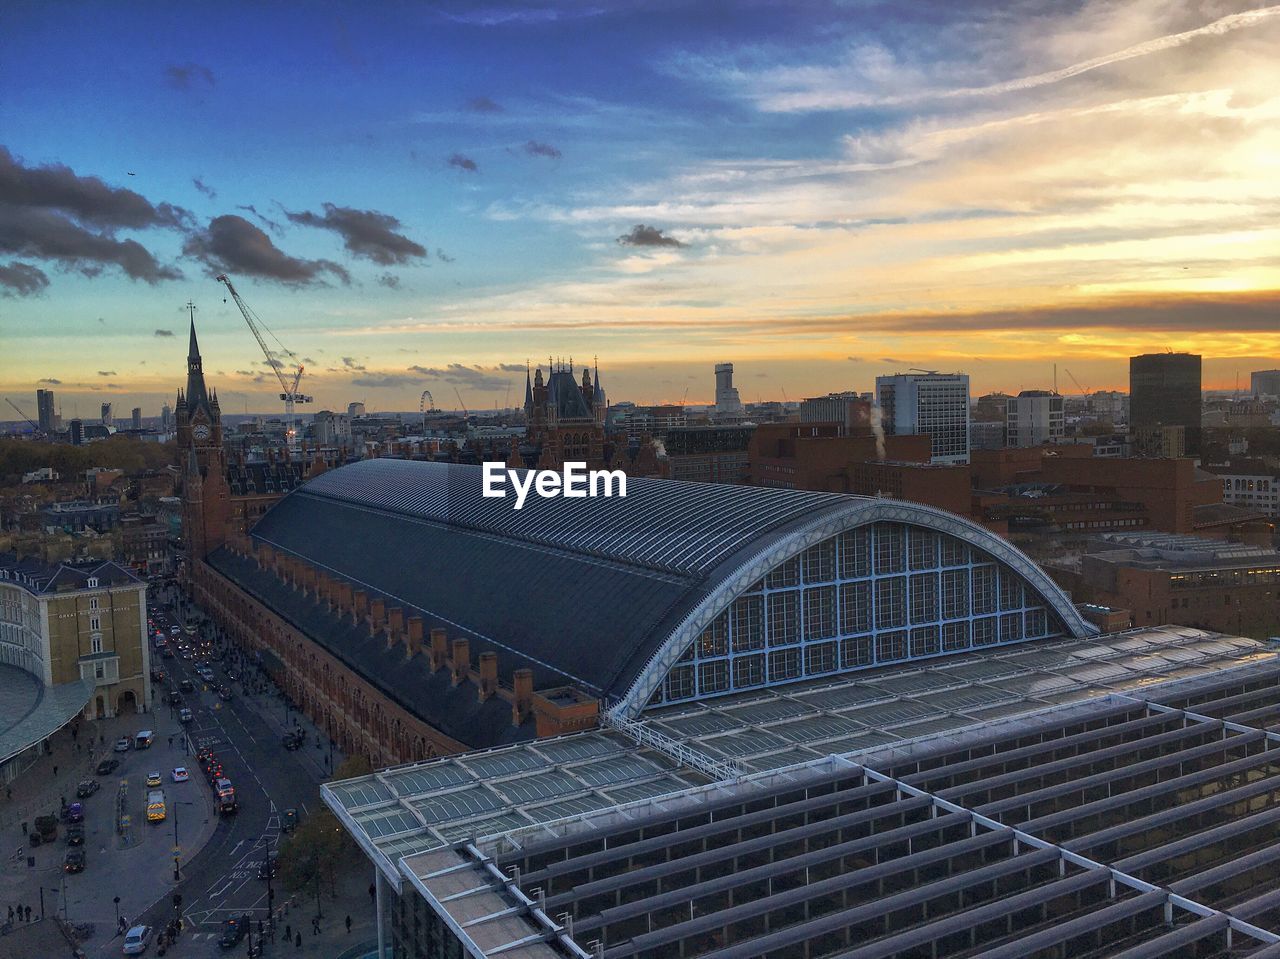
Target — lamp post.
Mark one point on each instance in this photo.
(177, 871)
(116, 900)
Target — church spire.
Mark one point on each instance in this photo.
(197, 395)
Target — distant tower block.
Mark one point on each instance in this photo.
(727, 400)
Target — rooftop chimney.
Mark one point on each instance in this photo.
(488, 675)
(461, 661)
(413, 637)
(522, 701)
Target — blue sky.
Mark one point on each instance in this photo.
(828, 186)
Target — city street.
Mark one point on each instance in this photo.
(221, 880)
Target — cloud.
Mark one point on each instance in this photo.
(199, 184)
(536, 149)
(444, 257)
(52, 213)
(483, 105)
(189, 76)
(309, 361)
(350, 363)
(50, 380)
(365, 233)
(386, 381)
(473, 377)
(642, 235)
(272, 225)
(893, 361)
(234, 245)
(390, 281)
(22, 279)
(164, 332)
(107, 373)
(463, 163)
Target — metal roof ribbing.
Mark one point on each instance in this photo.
(662, 524)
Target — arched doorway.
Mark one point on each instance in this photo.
(100, 711)
(127, 702)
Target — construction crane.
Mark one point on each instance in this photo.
(280, 360)
(458, 394)
(1083, 392)
(18, 409)
(422, 406)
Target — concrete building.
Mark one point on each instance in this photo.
(355, 409)
(933, 404)
(1164, 391)
(1111, 404)
(728, 402)
(1265, 383)
(331, 429)
(851, 410)
(135, 419)
(1033, 418)
(73, 642)
(1249, 483)
(106, 418)
(166, 419)
(76, 432)
(46, 412)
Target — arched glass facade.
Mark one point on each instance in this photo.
(880, 593)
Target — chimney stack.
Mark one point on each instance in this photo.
(377, 615)
(360, 606)
(439, 649)
(488, 675)
(522, 701)
(461, 660)
(395, 625)
(413, 638)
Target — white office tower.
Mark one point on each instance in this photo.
(936, 404)
(727, 401)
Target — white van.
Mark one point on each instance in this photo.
(143, 739)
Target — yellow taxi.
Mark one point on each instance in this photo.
(153, 779)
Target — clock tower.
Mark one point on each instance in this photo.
(206, 498)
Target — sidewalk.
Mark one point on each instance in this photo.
(333, 940)
(137, 866)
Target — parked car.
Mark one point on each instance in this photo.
(74, 860)
(123, 744)
(180, 774)
(86, 788)
(75, 834)
(185, 715)
(108, 766)
(153, 779)
(291, 741)
(74, 812)
(233, 930)
(136, 940)
(289, 821)
(187, 686)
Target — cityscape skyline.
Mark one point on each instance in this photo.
(818, 196)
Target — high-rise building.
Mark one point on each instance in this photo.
(355, 409)
(1265, 382)
(45, 411)
(1113, 404)
(936, 404)
(727, 399)
(331, 429)
(166, 418)
(1033, 417)
(106, 414)
(136, 417)
(1164, 390)
(850, 410)
(77, 432)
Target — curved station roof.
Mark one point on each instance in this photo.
(603, 592)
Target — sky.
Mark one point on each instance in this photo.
(429, 196)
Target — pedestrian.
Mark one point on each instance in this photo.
(64, 803)
(27, 910)
(55, 772)
(11, 913)
(315, 926)
(170, 742)
(288, 932)
(297, 940)
(373, 892)
(348, 925)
